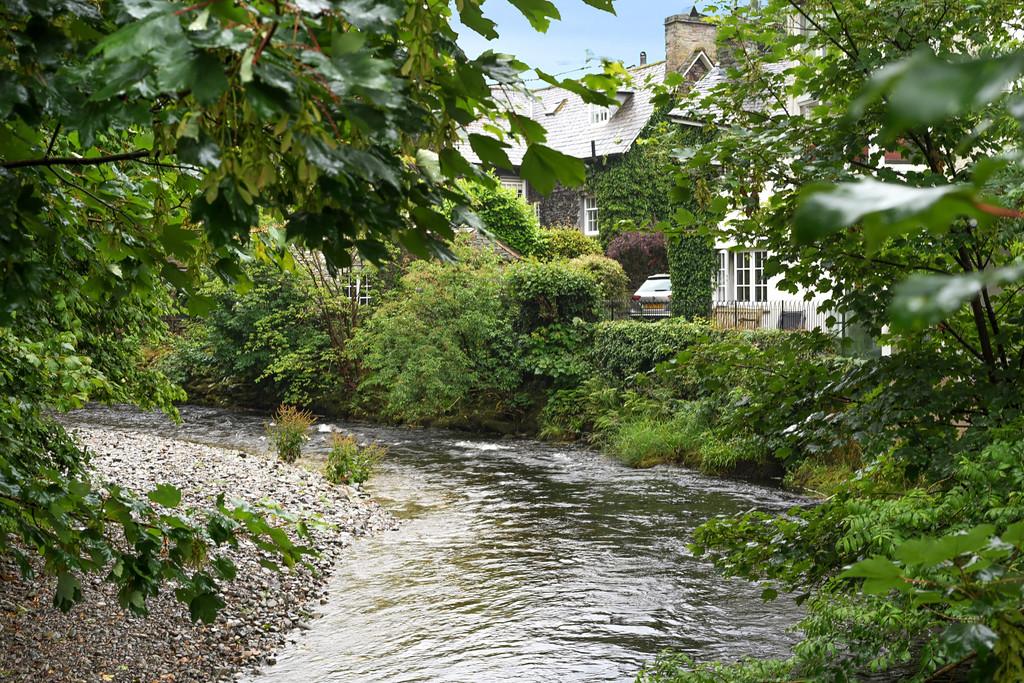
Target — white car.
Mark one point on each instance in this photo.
(653, 299)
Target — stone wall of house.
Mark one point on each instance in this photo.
(561, 207)
(685, 34)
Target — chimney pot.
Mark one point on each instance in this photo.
(643, 58)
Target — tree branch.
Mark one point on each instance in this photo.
(77, 161)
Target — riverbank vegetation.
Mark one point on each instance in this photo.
(523, 347)
(147, 146)
(912, 568)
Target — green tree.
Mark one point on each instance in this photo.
(928, 568)
(141, 142)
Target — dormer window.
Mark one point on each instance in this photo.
(599, 115)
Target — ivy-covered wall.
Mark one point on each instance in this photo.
(634, 191)
(692, 260)
(638, 190)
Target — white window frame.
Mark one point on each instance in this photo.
(590, 216)
(599, 115)
(357, 288)
(517, 185)
(722, 280)
(751, 283)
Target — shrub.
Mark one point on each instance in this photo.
(267, 346)
(442, 347)
(641, 255)
(348, 463)
(506, 216)
(611, 279)
(626, 347)
(567, 242)
(288, 430)
(555, 292)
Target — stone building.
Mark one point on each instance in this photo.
(593, 133)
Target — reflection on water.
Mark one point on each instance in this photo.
(516, 561)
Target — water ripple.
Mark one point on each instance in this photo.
(516, 561)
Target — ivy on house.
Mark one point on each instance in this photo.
(633, 192)
(639, 192)
(692, 260)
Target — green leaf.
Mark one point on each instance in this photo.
(166, 495)
(204, 607)
(544, 167)
(1014, 534)
(963, 639)
(200, 305)
(209, 82)
(69, 591)
(472, 16)
(371, 15)
(538, 12)
(884, 209)
(490, 151)
(924, 300)
(872, 568)
(924, 90)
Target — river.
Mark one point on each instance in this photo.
(516, 561)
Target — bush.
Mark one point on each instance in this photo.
(348, 463)
(547, 293)
(626, 347)
(505, 216)
(267, 346)
(288, 430)
(641, 255)
(442, 346)
(611, 279)
(567, 242)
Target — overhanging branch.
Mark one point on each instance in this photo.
(77, 161)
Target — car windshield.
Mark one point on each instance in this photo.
(659, 285)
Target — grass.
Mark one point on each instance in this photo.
(647, 441)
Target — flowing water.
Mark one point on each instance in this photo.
(516, 561)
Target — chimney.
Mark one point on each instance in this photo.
(685, 35)
(643, 58)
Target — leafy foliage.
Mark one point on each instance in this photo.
(641, 254)
(612, 284)
(567, 243)
(506, 216)
(141, 143)
(267, 345)
(442, 346)
(546, 293)
(350, 463)
(622, 349)
(634, 191)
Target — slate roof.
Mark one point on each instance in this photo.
(566, 117)
(697, 108)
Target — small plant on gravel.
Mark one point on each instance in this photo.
(348, 463)
(288, 430)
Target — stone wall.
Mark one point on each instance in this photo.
(561, 207)
(685, 34)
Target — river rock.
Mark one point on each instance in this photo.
(98, 641)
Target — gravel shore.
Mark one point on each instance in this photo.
(98, 641)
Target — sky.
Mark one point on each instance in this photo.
(583, 32)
